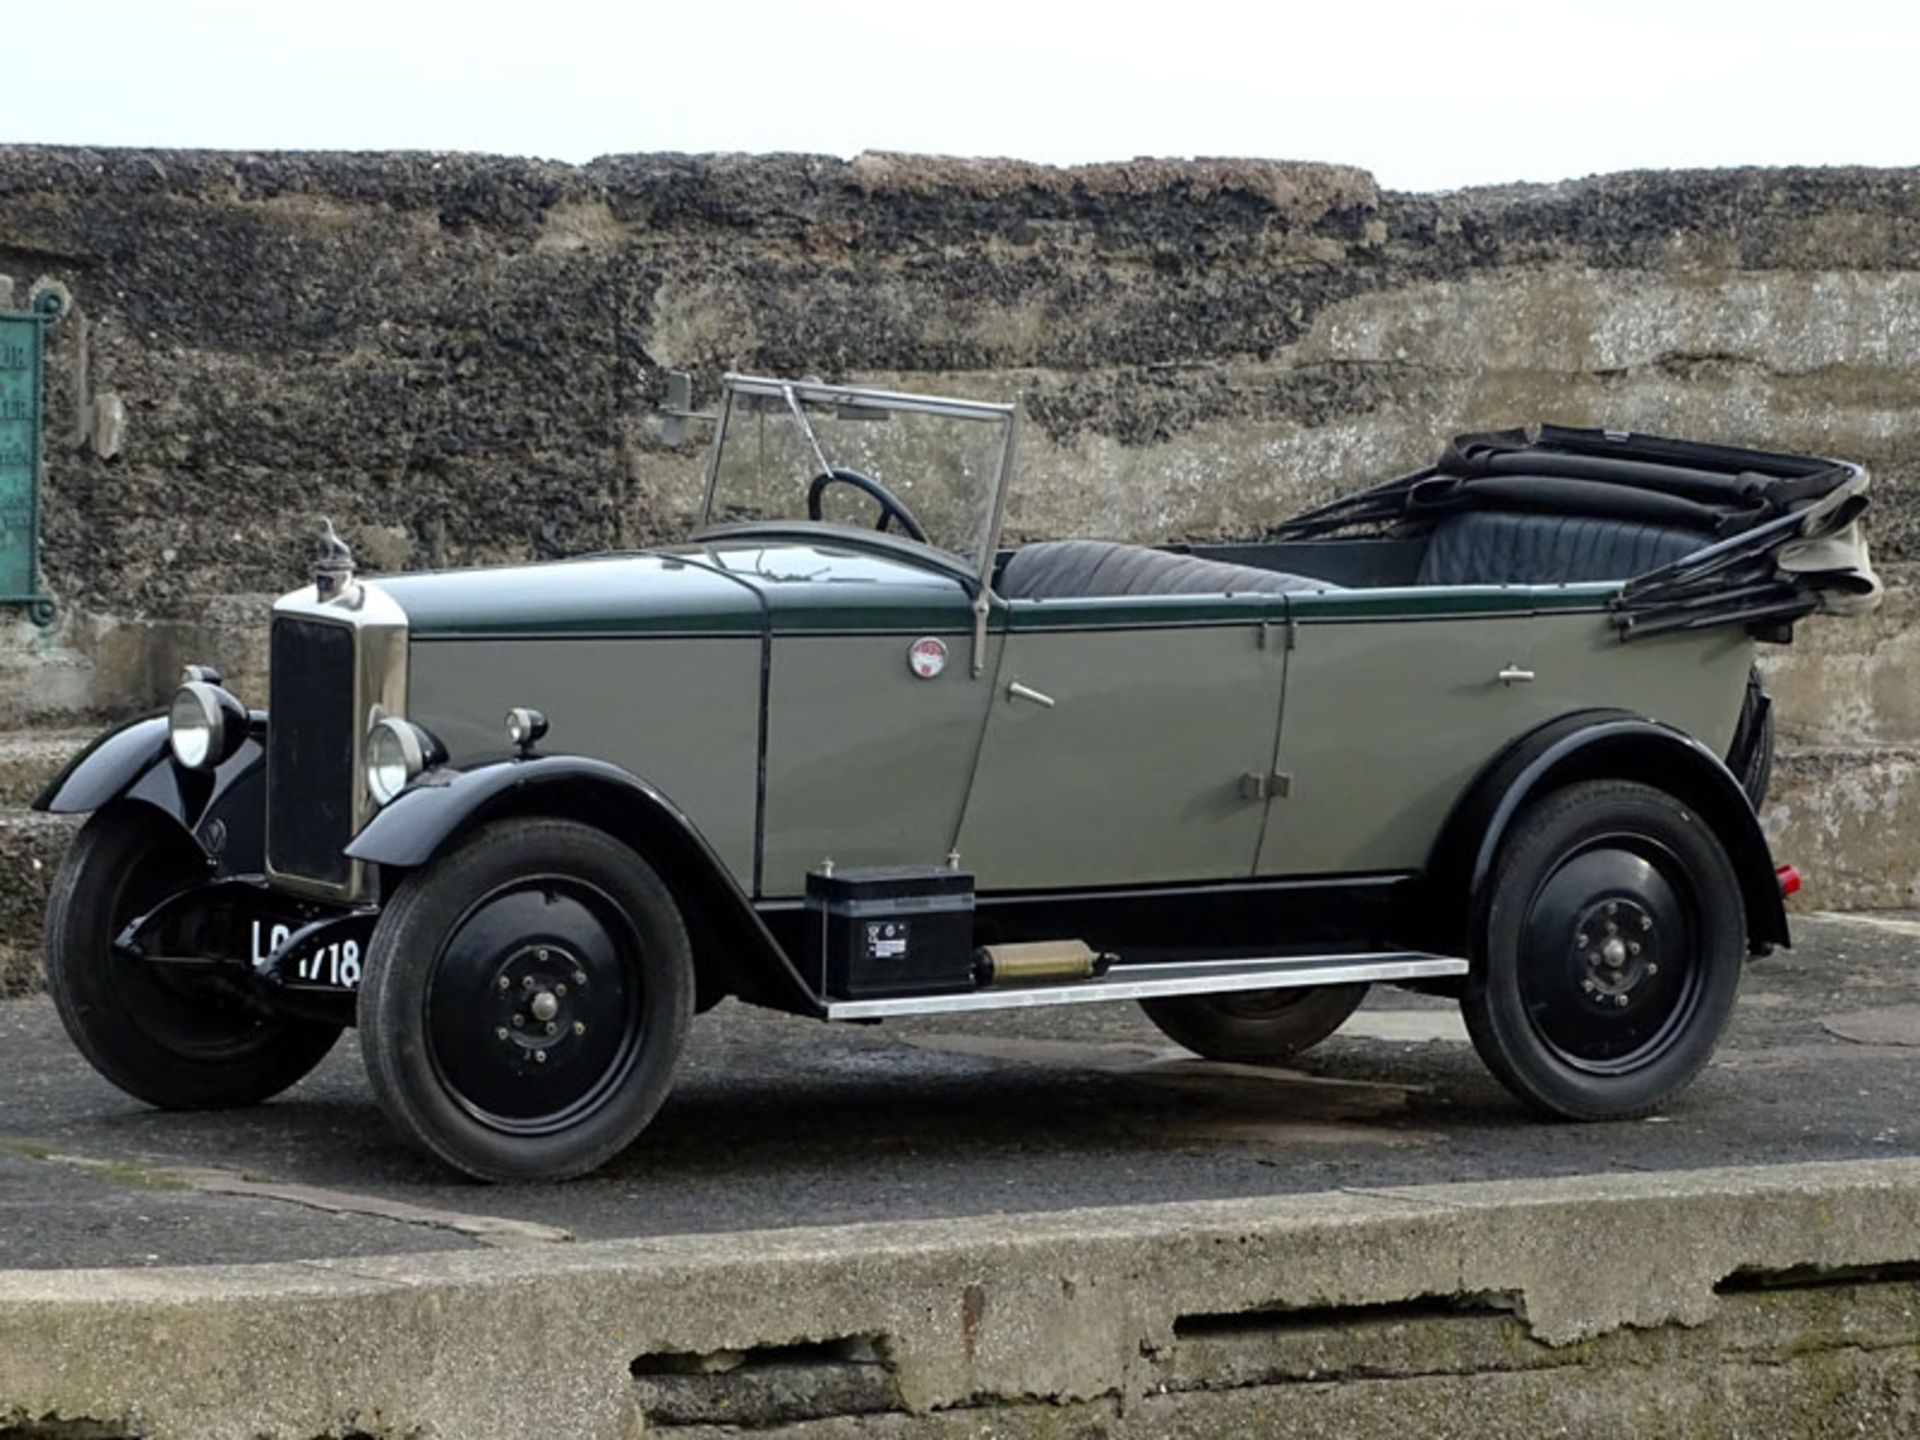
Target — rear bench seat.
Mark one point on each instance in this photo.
(1506, 547)
(1081, 569)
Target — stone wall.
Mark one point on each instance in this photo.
(456, 357)
(458, 360)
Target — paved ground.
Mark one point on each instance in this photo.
(780, 1121)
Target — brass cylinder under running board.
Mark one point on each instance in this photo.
(1038, 961)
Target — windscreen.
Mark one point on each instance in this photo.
(944, 469)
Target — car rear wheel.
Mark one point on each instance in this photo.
(1255, 1027)
(525, 1001)
(176, 1040)
(1614, 942)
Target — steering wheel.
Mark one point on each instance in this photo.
(891, 507)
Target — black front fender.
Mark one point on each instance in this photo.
(1593, 745)
(224, 809)
(732, 944)
(107, 768)
(422, 819)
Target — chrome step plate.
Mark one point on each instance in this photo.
(1187, 977)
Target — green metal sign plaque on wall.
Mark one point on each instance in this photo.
(22, 402)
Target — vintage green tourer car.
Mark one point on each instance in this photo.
(1491, 730)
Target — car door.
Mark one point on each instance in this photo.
(1396, 699)
(1128, 742)
(1392, 706)
(873, 713)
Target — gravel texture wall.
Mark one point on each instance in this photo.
(456, 357)
(459, 358)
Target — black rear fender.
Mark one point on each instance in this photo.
(1593, 745)
(733, 951)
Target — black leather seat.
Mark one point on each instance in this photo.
(1078, 569)
(1505, 547)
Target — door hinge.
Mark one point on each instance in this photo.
(1277, 634)
(1273, 785)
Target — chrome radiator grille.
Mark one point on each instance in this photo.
(311, 745)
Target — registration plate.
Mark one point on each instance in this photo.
(326, 955)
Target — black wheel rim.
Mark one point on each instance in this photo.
(1609, 965)
(534, 1005)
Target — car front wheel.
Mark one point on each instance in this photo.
(1614, 941)
(1255, 1027)
(166, 1035)
(525, 1001)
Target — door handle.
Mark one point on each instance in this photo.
(1017, 691)
(1514, 674)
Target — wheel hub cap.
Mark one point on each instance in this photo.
(533, 1011)
(1606, 973)
(1615, 949)
(537, 1000)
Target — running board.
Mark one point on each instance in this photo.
(1188, 977)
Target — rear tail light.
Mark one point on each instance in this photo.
(1789, 879)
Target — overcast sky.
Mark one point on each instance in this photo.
(1426, 95)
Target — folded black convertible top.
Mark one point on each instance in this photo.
(1778, 534)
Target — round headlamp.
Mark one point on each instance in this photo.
(205, 725)
(396, 752)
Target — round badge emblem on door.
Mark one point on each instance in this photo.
(928, 657)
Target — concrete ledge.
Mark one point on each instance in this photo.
(30, 849)
(94, 667)
(1638, 1304)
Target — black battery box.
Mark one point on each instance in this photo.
(890, 930)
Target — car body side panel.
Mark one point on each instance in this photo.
(761, 683)
(1389, 716)
(684, 713)
(1694, 680)
(868, 763)
(1134, 774)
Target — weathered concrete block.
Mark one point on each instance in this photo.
(1852, 680)
(94, 667)
(1849, 817)
(1771, 1301)
(1817, 1390)
(30, 758)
